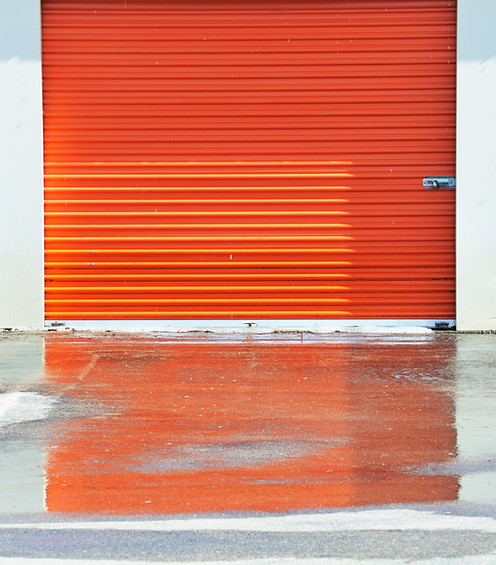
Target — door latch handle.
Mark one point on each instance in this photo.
(439, 182)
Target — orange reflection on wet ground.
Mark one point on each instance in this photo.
(212, 425)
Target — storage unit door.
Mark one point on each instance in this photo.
(244, 160)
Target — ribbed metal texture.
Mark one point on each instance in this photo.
(240, 160)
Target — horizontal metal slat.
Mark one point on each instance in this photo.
(421, 274)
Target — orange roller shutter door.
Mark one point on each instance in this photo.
(234, 160)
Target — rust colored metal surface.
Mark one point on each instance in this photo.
(206, 424)
(230, 160)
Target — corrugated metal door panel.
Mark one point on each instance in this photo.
(249, 160)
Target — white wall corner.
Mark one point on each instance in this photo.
(21, 166)
(476, 165)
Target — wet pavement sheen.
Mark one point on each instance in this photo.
(152, 425)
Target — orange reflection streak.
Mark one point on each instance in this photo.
(215, 426)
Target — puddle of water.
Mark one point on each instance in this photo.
(218, 426)
(205, 426)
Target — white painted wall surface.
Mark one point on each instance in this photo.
(21, 166)
(476, 165)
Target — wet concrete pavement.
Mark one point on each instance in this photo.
(342, 446)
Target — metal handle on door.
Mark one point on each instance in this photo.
(439, 182)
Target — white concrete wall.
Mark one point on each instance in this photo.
(21, 166)
(476, 165)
